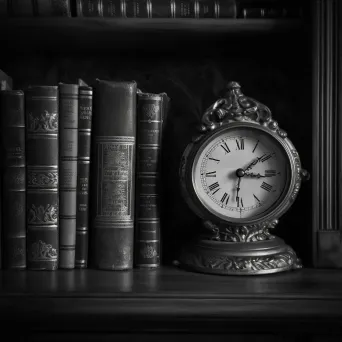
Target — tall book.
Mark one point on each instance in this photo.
(13, 179)
(113, 169)
(68, 149)
(41, 111)
(85, 113)
(5, 84)
(151, 112)
(157, 8)
(40, 8)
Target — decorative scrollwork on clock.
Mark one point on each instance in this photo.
(244, 233)
(284, 260)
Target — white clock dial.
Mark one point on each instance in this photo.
(241, 174)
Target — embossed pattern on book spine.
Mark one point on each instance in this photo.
(85, 112)
(13, 178)
(150, 114)
(41, 112)
(68, 149)
(113, 181)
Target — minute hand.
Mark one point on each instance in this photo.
(254, 162)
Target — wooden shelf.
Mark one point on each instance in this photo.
(172, 299)
(103, 32)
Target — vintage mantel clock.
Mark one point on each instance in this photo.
(239, 174)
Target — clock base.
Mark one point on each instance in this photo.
(239, 258)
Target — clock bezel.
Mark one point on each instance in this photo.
(192, 153)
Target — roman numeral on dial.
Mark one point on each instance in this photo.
(211, 174)
(240, 143)
(266, 186)
(255, 146)
(225, 147)
(214, 160)
(256, 198)
(225, 198)
(213, 186)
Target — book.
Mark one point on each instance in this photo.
(41, 112)
(40, 8)
(151, 112)
(5, 84)
(85, 112)
(68, 149)
(157, 8)
(49, 8)
(112, 172)
(13, 179)
(270, 12)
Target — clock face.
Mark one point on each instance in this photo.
(241, 174)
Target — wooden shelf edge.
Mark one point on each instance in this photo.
(117, 24)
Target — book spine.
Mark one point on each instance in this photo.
(137, 9)
(55, 8)
(89, 8)
(150, 114)
(68, 149)
(113, 169)
(268, 12)
(85, 111)
(41, 111)
(14, 179)
(216, 9)
(21, 8)
(5, 84)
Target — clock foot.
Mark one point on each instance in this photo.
(234, 258)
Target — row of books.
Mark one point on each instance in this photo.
(80, 168)
(147, 9)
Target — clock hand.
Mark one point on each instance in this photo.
(239, 173)
(257, 175)
(254, 162)
(237, 191)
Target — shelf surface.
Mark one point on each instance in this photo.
(102, 32)
(172, 299)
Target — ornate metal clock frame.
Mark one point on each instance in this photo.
(231, 248)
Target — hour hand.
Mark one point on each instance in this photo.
(258, 175)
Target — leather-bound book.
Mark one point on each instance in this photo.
(13, 178)
(216, 9)
(41, 111)
(40, 8)
(68, 149)
(151, 111)
(85, 113)
(52, 8)
(113, 170)
(99, 8)
(270, 12)
(5, 84)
